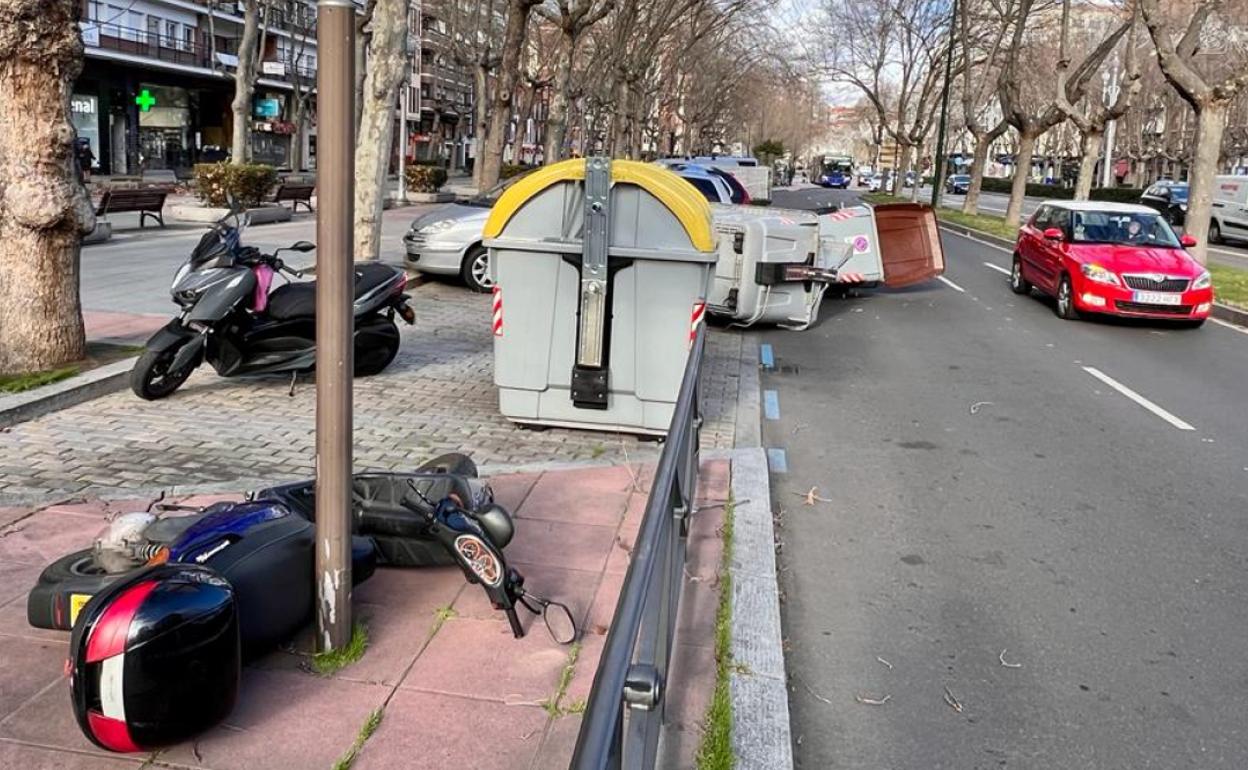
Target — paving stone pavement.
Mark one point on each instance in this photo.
(215, 433)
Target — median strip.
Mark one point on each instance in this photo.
(1137, 398)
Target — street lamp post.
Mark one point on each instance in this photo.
(938, 173)
(1111, 93)
(335, 181)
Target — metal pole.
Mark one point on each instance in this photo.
(403, 137)
(939, 171)
(335, 172)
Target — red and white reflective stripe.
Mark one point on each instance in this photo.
(839, 216)
(111, 733)
(112, 692)
(695, 320)
(851, 278)
(498, 311)
(109, 635)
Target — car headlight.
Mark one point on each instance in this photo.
(1100, 275)
(1204, 281)
(436, 227)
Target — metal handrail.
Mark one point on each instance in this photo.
(634, 664)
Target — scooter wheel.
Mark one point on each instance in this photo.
(50, 603)
(151, 379)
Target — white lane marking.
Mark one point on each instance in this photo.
(950, 284)
(1231, 326)
(998, 268)
(1137, 398)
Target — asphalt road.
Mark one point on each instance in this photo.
(998, 521)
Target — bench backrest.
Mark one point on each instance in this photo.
(133, 200)
(294, 192)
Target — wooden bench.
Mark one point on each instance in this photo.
(296, 193)
(149, 203)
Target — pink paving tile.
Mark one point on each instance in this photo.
(48, 719)
(203, 501)
(569, 546)
(480, 659)
(573, 588)
(15, 580)
(101, 324)
(558, 743)
(283, 721)
(13, 621)
(603, 608)
(713, 480)
(511, 490)
(94, 508)
(396, 587)
(703, 556)
(692, 684)
(699, 601)
(16, 755)
(439, 732)
(631, 524)
(8, 515)
(617, 561)
(586, 666)
(26, 667)
(707, 521)
(46, 536)
(589, 496)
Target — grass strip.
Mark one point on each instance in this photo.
(715, 752)
(366, 731)
(554, 706)
(333, 661)
(19, 383)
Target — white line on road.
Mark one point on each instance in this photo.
(1137, 398)
(1231, 326)
(950, 284)
(998, 268)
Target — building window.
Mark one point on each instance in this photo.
(188, 38)
(171, 34)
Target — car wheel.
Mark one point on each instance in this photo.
(476, 269)
(1215, 232)
(1066, 300)
(1018, 284)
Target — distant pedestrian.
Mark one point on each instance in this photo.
(82, 151)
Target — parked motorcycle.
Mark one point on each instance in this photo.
(231, 319)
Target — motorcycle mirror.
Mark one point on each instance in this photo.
(559, 622)
(303, 246)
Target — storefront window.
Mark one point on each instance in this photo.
(85, 115)
(164, 127)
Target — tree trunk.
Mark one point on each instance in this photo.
(903, 164)
(245, 81)
(918, 172)
(970, 204)
(43, 206)
(504, 91)
(480, 126)
(636, 124)
(1022, 173)
(557, 118)
(1210, 125)
(387, 57)
(1089, 148)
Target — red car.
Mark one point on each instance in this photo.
(1114, 258)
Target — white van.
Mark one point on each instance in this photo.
(1230, 209)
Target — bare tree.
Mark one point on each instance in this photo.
(1092, 120)
(501, 102)
(1209, 99)
(572, 17)
(1034, 113)
(981, 56)
(301, 98)
(245, 80)
(43, 206)
(387, 62)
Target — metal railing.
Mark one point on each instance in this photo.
(632, 675)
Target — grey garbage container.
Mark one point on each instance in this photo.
(601, 270)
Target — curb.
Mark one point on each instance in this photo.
(761, 732)
(1220, 311)
(21, 407)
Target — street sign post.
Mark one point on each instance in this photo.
(335, 83)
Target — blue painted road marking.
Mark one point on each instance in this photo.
(777, 460)
(767, 356)
(771, 404)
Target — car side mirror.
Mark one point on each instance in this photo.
(1188, 241)
(1053, 234)
(304, 246)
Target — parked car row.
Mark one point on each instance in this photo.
(1227, 222)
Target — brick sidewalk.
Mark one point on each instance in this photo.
(437, 396)
(455, 694)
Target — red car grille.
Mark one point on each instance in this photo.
(1146, 283)
(1139, 307)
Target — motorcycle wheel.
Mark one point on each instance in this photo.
(151, 379)
(375, 360)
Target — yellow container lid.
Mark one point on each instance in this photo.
(680, 197)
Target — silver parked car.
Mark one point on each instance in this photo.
(447, 239)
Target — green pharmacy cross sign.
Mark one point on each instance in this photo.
(145, 100)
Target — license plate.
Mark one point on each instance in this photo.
(1157, 298)
(76, 603)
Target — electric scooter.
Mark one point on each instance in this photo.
(232, 320)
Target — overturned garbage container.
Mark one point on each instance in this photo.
(601, 270)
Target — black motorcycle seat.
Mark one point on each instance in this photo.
(298, 300)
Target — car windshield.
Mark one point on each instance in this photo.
(1128, 228)
(491, 196)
